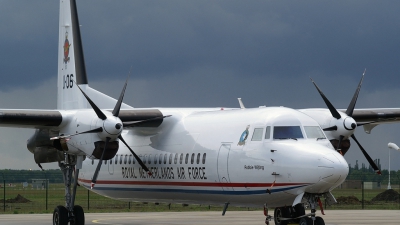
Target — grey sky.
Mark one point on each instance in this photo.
(208, 53)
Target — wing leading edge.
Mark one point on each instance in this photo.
(31, 118)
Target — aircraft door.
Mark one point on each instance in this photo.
(222, 166)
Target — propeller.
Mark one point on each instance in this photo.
(111, 130)
(344, 125)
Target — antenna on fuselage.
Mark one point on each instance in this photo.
(241, 103)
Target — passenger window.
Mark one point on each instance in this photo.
(268, 133)
(116, 159)
(165, 158)
(149, 159)
(160, 159)
(111, 161)
(170, 158)
(130, 159)
(198, 158)
(192, 159)
(204, 158)
(126, 159)
(181, 158)
(287, 132)
(145, 159)
(257, 134)
(105, 162)
(187, 158)
(155, 158)
(176, 158)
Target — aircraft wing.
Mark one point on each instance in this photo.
(34, 118)
(370, 118)
(376, 115)
(30, 118)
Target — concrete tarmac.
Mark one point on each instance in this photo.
(332, 217)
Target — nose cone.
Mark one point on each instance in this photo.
(332, 169)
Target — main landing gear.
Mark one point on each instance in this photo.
(70, 213)
(288, 214)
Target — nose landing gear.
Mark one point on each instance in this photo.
(288, 214)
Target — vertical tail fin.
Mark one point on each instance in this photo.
(71, 62)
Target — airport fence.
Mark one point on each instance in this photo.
(33, 193)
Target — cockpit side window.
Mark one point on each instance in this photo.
(268, 133)
(314, 132)
(257, 134)
(287, 132)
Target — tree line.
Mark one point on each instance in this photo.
(19, 176)
(367, 174)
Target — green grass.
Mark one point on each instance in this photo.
(369, 194)
(99, 203)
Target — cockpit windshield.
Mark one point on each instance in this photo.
(287, 132)
(314, 132)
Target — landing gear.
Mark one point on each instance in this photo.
(319, 221)
(313, 200)
(280, 214)
(305, 221)
(309, 221)
(297, 214)
(288, 214)
(79, 218)
(71, 213)
(60, 216)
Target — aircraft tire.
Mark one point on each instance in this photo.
(319, 221)
(280, 212)
(79, 216)
(60, 216)
(300, 211)
(306, 221)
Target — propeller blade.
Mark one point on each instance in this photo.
(371, 162)
(352, 104)
(99, 113)
(131, 124)
(97, 130)
(330, 128)
(340, 141)
(117, 107)
(96, 172)
(136, 157)
(331, 108)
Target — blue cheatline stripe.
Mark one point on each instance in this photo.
(197, 191)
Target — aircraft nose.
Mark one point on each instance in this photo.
(332, 170)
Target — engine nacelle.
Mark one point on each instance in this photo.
(91, 144)
(43, 149)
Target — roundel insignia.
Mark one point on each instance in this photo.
(243, 137)
(66, 49)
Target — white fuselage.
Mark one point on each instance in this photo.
(213, 156)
